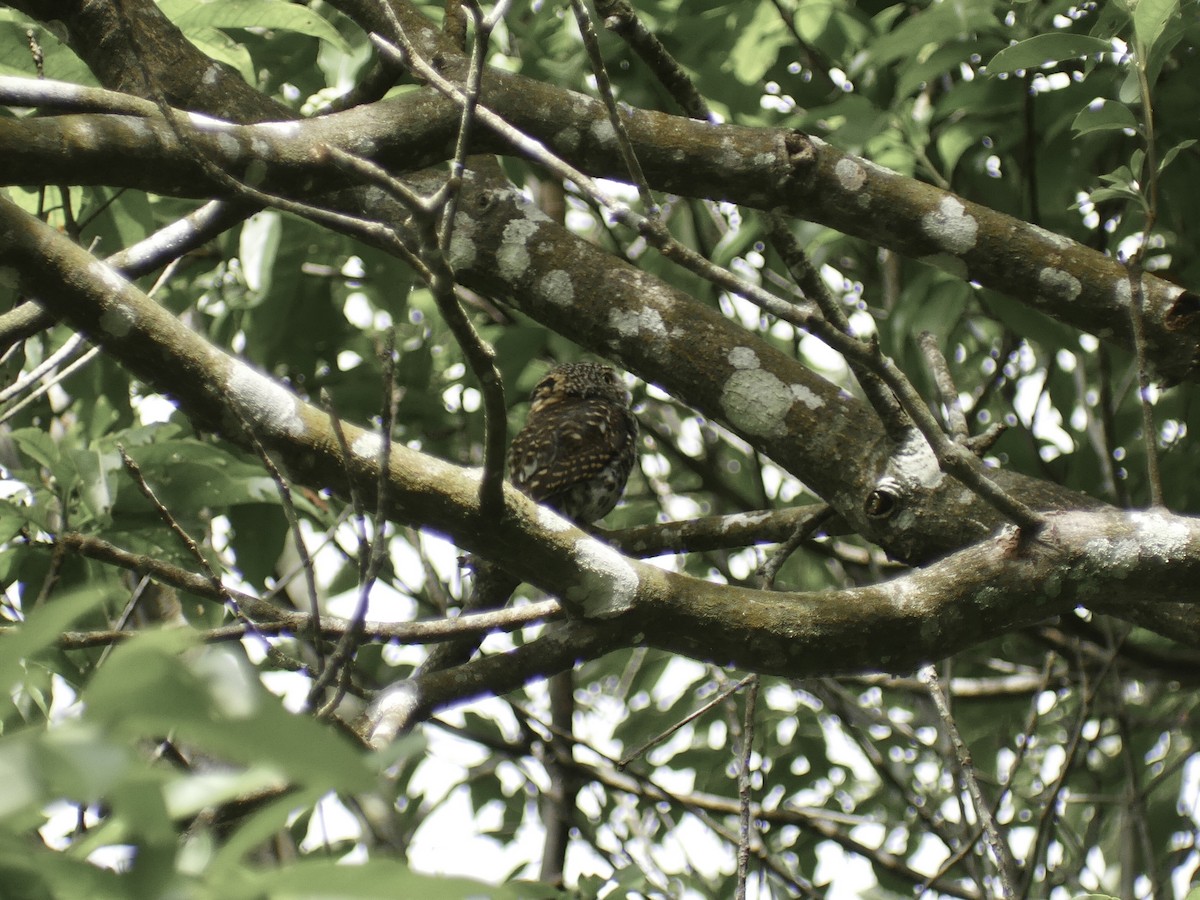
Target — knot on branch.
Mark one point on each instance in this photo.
(885, 500)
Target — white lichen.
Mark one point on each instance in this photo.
(850, 175)
(548, 520)
(607, 584)
(117, 320)
(1057, 284)
(462, 242)
(513, 255)
(367, 446)
(744, 520)
(645, 324)
(756, 402)
(229, 145)
(743, 358)
(262, 402)
(1056, 240)
(914, 462)
(567, 139)
(603, 133)
(556, 287)
(1123, 292)
(1162, 536)
(807, 396)
(951, 226)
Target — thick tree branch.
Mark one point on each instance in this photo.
(998, 584)
(764, 168)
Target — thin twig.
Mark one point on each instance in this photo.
(769, 570)
(956, 422)
(604, 86)
(745, 788)
(447, 196)
(1137, 297)
(621, 19)
(193, 548)
(431, 264)
(289, 511)
(273, 619)
(479, 355)
(63, 96)
(1145, 386)
(85, 357)
(1005, 867)
(640, 751)
(813, 288)
(373, 551)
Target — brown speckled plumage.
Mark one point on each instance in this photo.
(578, 444)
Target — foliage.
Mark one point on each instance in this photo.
(157, 741)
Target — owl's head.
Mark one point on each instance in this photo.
(579, 381)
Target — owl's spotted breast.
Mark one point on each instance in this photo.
(578, 445)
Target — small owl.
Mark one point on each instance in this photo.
(578, 444)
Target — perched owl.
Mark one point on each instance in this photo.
(574, 454)
(578, 444)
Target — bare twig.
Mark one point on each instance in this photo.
(621, 19)
(372, 551)
(1005, 867)
(956, 422)
(1145, 387)
(808, 279)
(769, 570)
(447, 196)
(640, 751)
(289, 511)
(745, 789)
(584, 20)
(431, 264)
(63, 96)
(272, 619)
(193, 548)
(1134, 265)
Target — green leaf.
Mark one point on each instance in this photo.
(79, 760)
(38, 446)
(214, 43)
(1105, 115)
(758, 45)
(953, 142)
(19, 771)
(31, 872)
(1037, 51)
(16, 57)
(1175, 151)
(189, 475)
(1150, 17)
(382, 878)
(159, 682)
(936, 25)
(98, 473)
(264, 14)
(40, 629)
(12, 520)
